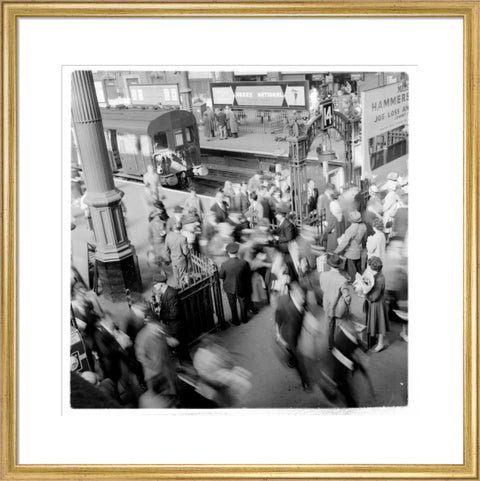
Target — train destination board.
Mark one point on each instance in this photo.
(277, 95)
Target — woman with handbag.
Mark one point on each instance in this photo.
(375, 306)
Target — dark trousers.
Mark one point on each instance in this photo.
(243, 301)
(353, 266)
(332, 323)
(297, 361)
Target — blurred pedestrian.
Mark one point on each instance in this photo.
(336, 295)
(207, 126)
(312, 196)
(286, 231)
(228, 193)
(352, 243)
(152, 352)
(178, 252)
(157, 233)
(323, 201)
(289, 316)
(193, 202)
(236, 276)
(334, 228)
(241, 201)
(255, 181)
(219, 207)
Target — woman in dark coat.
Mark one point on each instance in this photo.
(375, 306)
(335, 227)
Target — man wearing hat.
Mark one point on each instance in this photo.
(219, 207)
(236, 276)
(176, 246)
(255, 182)
(286, 230)
(152, 352)
(336, 295)
(193, 204)
(175, 219)
(241, 201)
(168, 302)
(352, 242)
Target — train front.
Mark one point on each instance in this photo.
(177, 158)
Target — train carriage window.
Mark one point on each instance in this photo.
(189, 134)
(160, 140)
(178, 138)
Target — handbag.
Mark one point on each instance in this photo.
(341, 307)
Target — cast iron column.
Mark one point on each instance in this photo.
(115, 256)
(185, 91)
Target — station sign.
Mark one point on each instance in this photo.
(154, 94)
(327, 115)
(384, 110)
(275, 95)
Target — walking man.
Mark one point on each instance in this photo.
(336, 295)
(177, 249)
(236, 276)
(289, 321)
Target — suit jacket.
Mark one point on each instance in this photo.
(312, 200)
(221, 215)
(177, 247)
(286, 232)
(241, 202)
(267, 208)
(236, 276)
(289, 320)
(332, 284)
(169, 305)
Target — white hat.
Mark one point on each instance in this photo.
(373, 189)
(392, 176)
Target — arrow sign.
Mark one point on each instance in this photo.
(223, 95)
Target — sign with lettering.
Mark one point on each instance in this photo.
(384, 124)
(154, 94)
(275, 95)
(384, 109)
(327, 115)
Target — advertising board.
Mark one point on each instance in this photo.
(273, 95)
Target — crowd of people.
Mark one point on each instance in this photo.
(222, 123)
(358, 250)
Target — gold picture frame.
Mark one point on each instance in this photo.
(468, 11)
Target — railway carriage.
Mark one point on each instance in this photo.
(165, 138)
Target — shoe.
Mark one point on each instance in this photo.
(236, 323)
(306, 386)
(404, 336)
(253, 311)
(245, 322)
(378, 348)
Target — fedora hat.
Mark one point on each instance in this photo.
(392, 176)
(355, 216)
(160, 277)
(335, 261)
(232, 248)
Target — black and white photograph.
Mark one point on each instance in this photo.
(239, 239)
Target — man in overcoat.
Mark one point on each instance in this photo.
(236, 276)
(289, 321)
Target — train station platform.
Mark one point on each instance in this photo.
(259, 145)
